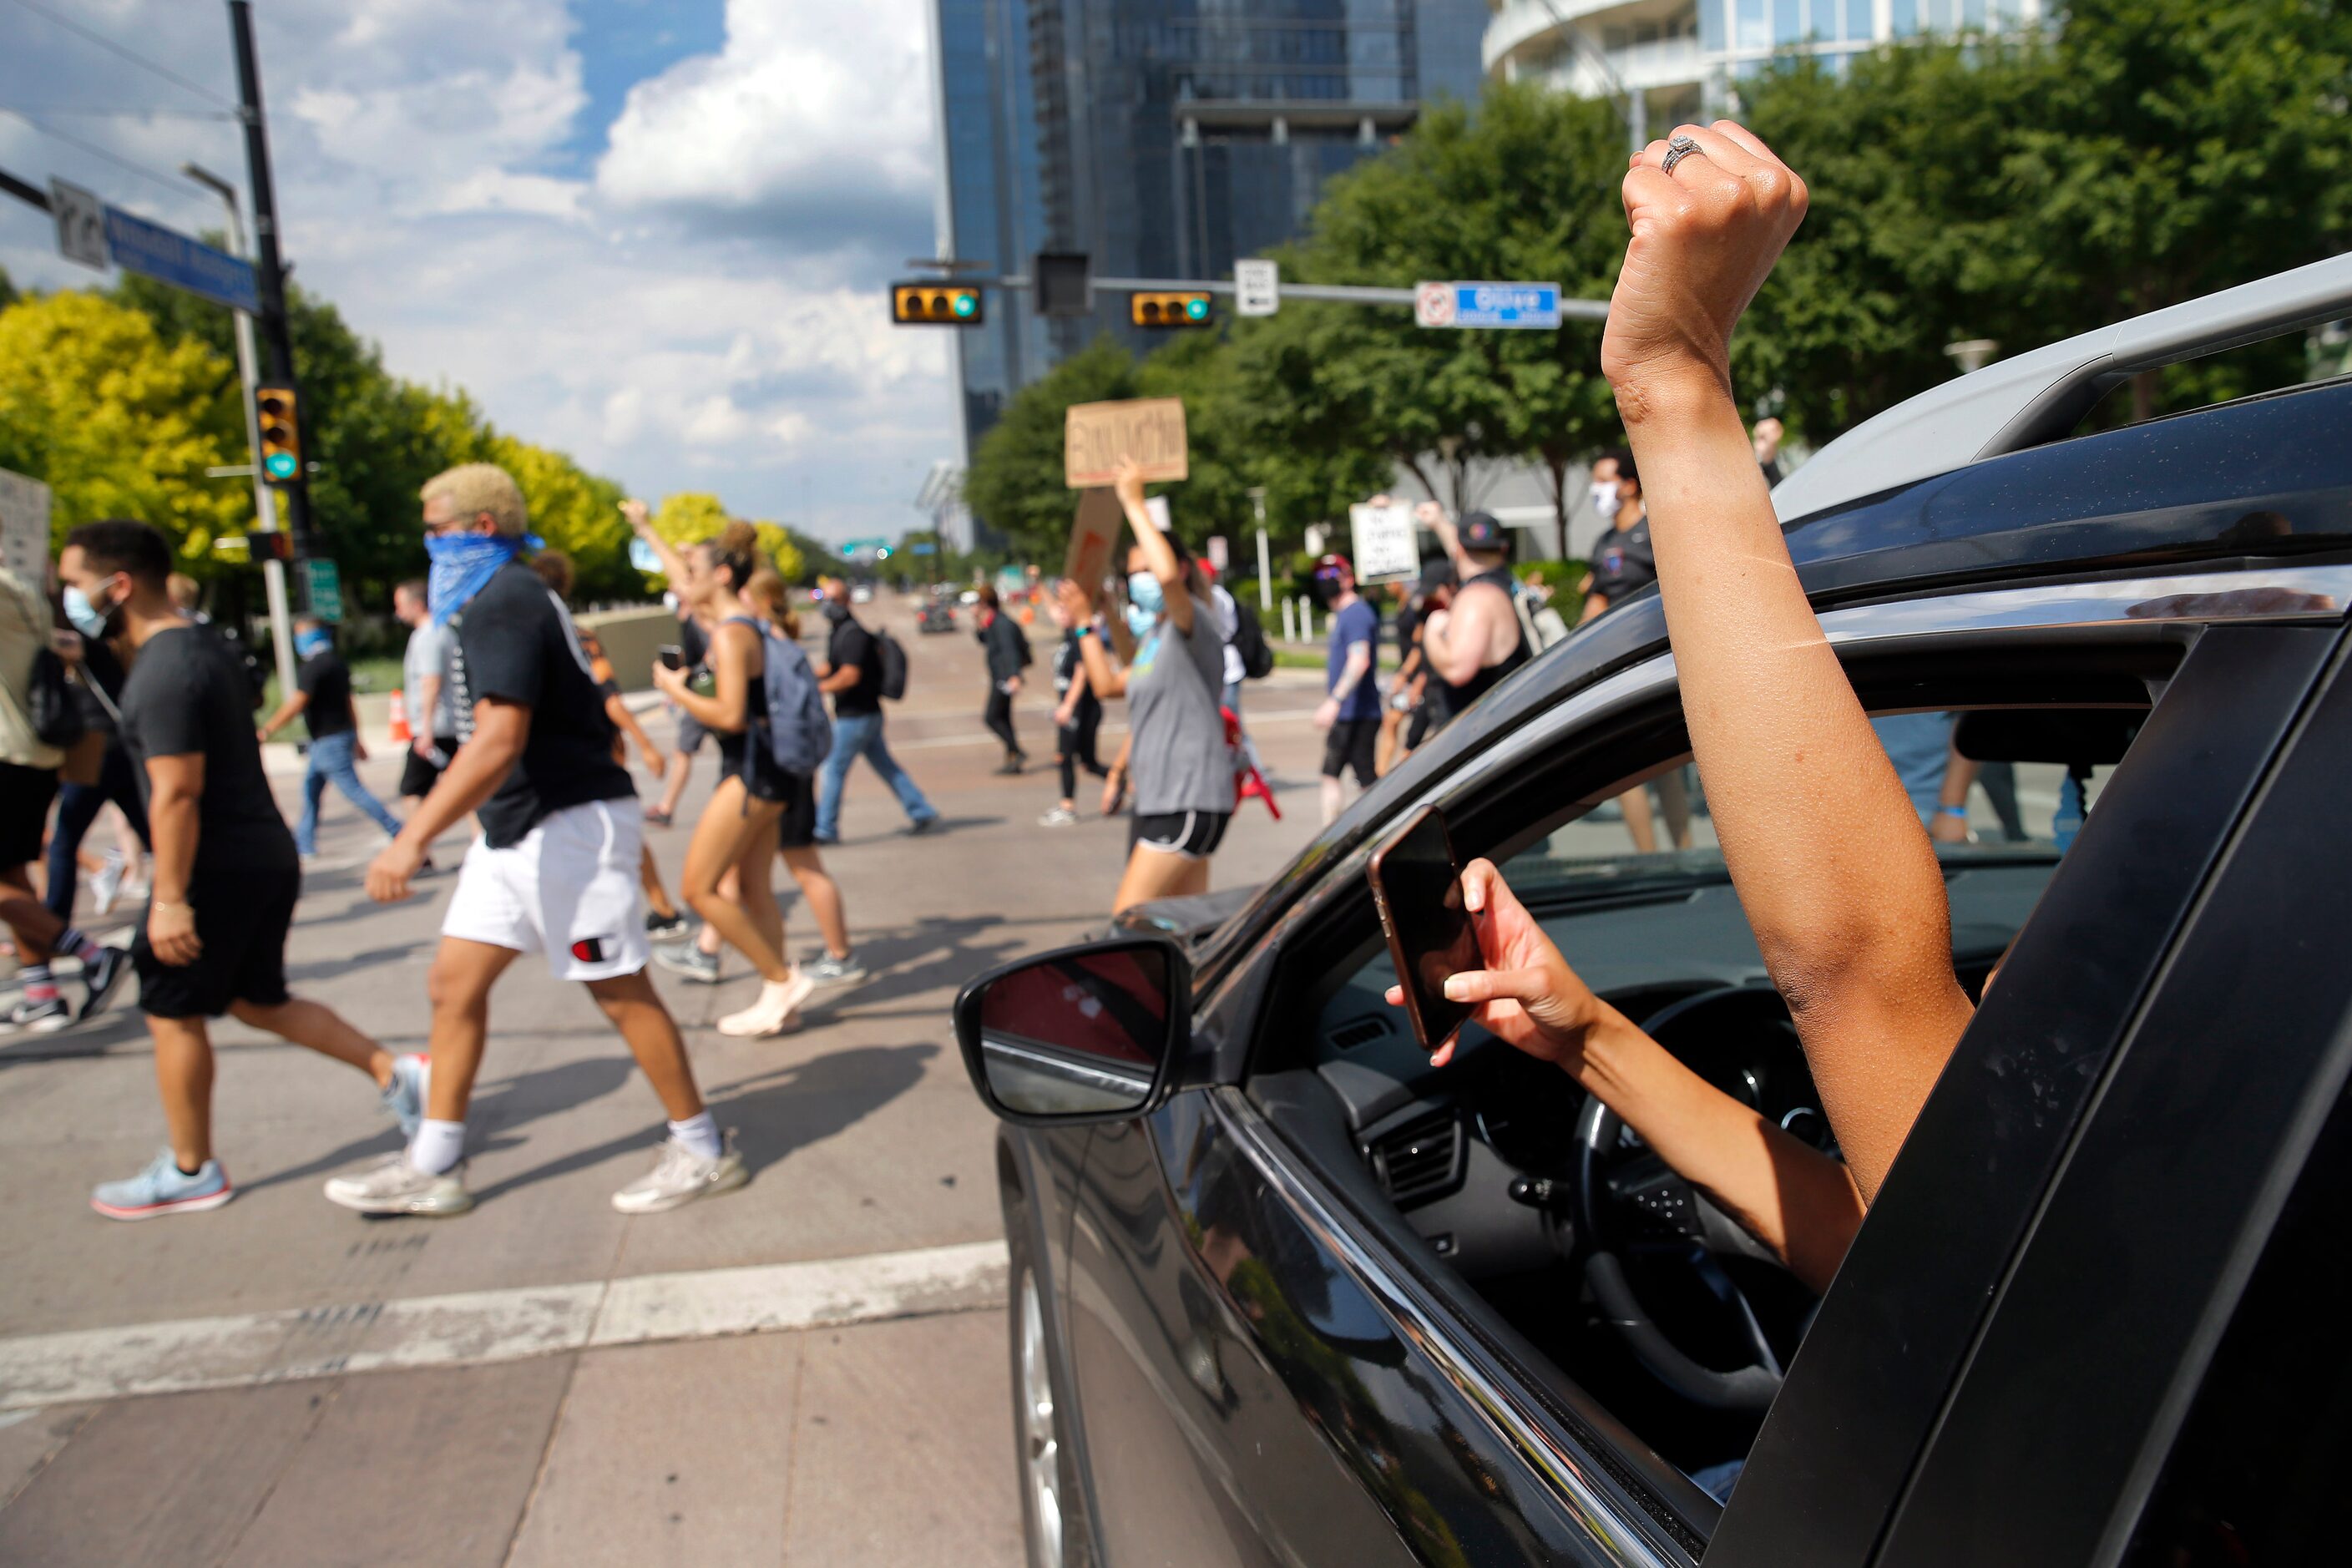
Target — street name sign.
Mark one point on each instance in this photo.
(1257, 288)
(170, 257)
(81, 223)
(1529, 305)
(326, 583)
(1096, 436)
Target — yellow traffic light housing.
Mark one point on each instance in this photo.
(281, 436)
(937, 305)
(1170, 309)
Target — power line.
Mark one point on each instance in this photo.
(111, 46)
(133, 113)
(179, 187)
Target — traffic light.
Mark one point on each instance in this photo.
(1062, 286)
(275, 545)
(1186, 310)
(937, 305)
(281, 437)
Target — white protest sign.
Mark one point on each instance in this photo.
(1386, 545)
(24, 528)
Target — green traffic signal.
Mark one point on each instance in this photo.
(964, 304)
(1197, 308)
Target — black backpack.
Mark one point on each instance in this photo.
(893, 660)
(1249, 640)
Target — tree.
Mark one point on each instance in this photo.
(2028, 188)
(119, 422)
(1523, 186)
(1014, 482)
(696, 517)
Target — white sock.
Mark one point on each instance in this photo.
(437, 1146)
(699, 1133)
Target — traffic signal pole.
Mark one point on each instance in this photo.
(269, 273)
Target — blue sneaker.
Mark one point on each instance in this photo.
(405, 1100)
(160, 1189)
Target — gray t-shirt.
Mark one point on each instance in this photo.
(1179, 756)
(428, 655)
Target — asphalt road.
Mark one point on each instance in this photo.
(812, 1370)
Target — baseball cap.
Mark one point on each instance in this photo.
(1438, 572)
(1482, 531)
(1332, 565)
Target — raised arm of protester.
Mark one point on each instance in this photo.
(1167, 568)
(1836, 875)
(641, 523)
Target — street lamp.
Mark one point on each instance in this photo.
(265, 501)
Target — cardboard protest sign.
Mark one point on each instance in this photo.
(24, 528)
(1096, 436)
(1386, 542)
(1087, 560)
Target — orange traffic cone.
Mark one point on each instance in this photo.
(400, 730)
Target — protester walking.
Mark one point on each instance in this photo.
(96, 772)
(226, 874)
(1184, 790)
(770, 597)
(741, 826)
(28, 783)
(1622, 564)
(1349, 713)
(693, 651)
(1008, 655)
(425, 692)
(1475, 640)
(555, 870)
(322, 700)
(1077, 718)
(854, 678)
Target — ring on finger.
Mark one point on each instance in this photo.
(1678, 149)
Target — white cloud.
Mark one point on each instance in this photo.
(698, 311)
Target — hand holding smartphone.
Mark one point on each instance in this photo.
(1416, 882)
(670, 655)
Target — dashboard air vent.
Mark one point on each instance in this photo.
(1360, 1032)
(1420, 1159)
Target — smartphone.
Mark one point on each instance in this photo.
(670, 655)
(1417, 886)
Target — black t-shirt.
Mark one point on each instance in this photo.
(516, 643)
(100, 670)
(853, 644)
(1622, 562)
(326, 681)
(187, 693)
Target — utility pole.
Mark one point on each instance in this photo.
(1265, 563)
(269, 272)
(265, 496)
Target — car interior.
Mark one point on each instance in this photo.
(1638, 1307)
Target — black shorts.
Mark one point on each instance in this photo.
(24, 797)
(796, 829)
(691, 732)
(242, 921)
(1351, 745)
(419, 774)
(1194, 834)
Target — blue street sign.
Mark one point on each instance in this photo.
(922, 549)
(170, 257)
(1535, 305)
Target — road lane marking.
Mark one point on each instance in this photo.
(478, 1327)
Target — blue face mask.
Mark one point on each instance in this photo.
(1144, 591)
(310, 645)
(1140, 621)
(463, 563)
(87, 617)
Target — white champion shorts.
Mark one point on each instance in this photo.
(567, 888)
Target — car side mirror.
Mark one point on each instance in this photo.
(1091, 1032)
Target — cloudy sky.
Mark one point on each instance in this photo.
(653, 233)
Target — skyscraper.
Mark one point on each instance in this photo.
(1163, 138)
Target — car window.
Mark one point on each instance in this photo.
(1497, 1160)
(2252, 1479)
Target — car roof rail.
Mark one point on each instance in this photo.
(2042, 395)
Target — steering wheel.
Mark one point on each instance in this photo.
(1638, 1205)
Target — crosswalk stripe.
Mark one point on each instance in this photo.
(477, 1327)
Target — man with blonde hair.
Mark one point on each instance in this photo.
(555, 870)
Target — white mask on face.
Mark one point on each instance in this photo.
(1605, 499)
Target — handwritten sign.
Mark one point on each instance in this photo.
(24, 528)
(1386, 543)
(1092, 536)
(1096, 436)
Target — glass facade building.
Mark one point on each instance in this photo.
(1162, 138)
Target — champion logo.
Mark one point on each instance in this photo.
(589, 949)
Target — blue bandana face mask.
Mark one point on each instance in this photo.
(462, 564)
(310, 645)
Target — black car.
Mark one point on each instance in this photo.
(1283, 1293)
(935, 615)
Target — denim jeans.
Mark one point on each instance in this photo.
(332, 760)
(860, 735)
(77, 808)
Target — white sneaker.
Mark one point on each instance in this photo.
(776, 1010)
(681, 1175)
(1060, 816)
(107, 886)
(393, 1186)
